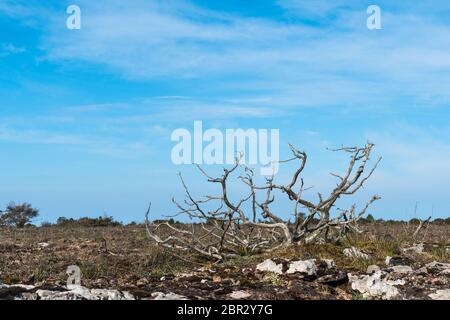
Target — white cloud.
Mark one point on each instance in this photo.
(295, 64)
(90, 143)
(174, 109)
(7, 49)
(37, 136)
(335, 63)
(318, 8)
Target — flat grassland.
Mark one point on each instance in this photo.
(123, 258)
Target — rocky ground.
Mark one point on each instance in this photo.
(35, 269)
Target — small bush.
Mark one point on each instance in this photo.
(104, 221)
(370, 219)
(169, 221)
(46, 224)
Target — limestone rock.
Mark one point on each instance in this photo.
(387, 261)
(401, 269)
(375, 286)
(440, 295)
(24, 292)
(330, 263)
(82, 293)
(240, 294)
(372, 269)
(167, 296)
(354, 252)
(417, 248)
(306, 266)
(270, 266)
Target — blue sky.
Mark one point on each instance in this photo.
(86, 115)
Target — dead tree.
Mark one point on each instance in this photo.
(222, 228)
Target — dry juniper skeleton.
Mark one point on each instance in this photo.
(248, 225)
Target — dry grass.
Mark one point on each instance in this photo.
(115, 256)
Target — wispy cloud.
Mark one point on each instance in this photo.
(87, 143)
(7, 49)
(314, 70)
(38, 136)
(173, 109)
(124, 129)
(338, 62)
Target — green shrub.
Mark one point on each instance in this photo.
(18, 216)
(103, 221)
(370, 218)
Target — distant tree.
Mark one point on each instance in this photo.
(439, 221)
(18, 215)
(46, 224)
(169, 221)
(62, 221)
(103, 221)
(370, 219)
